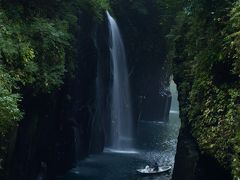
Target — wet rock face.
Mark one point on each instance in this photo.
(187, 151)
(145, 47)
(190, 164)
(35, 137)
(155, 108)
(82, 129)
(63, 127)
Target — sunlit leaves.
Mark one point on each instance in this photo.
(233, 37)
(50, 40)
(36, 48)
(33, 46)
(9, 111)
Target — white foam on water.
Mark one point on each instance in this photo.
(174, 112)
(127, 151)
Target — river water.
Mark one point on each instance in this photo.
(154, 142)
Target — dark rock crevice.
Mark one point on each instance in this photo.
(63, 127)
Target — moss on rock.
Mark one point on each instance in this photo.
(205, 68)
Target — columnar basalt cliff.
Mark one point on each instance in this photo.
(57, 78)
(48, 74)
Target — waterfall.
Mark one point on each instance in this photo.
(121, 112)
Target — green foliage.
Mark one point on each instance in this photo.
(33, 48)
(232, 45)
(49, 39)
(9, 111)
(204, 45)
(34, 52)
(95, 7)
(236, 156)
(37, 50)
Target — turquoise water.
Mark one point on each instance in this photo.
(155, 142)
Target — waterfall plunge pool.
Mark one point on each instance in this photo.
(155, 142)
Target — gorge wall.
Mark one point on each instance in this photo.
(48, 85)
(55, 81)
(143, 29)
(206, 69)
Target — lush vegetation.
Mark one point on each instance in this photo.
(205, 54)
(37, 49)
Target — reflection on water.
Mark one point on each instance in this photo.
(108, 150)
(155, 142)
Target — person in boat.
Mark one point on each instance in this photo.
(155, 167)
(147, 168)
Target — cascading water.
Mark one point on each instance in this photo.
(121, 112)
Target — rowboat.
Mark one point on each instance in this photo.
(150, 171)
